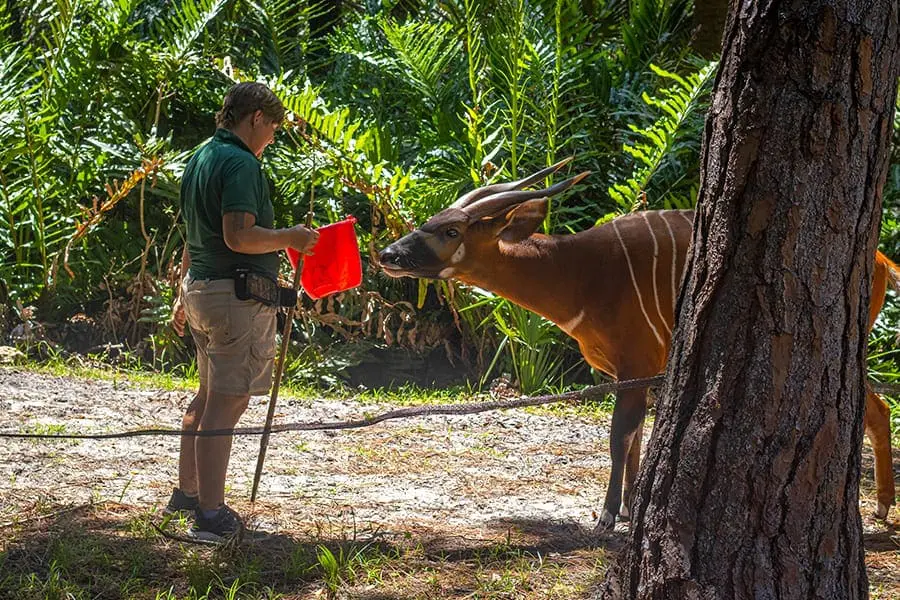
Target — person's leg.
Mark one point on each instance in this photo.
(187, 459)
(212, 453)
(240, 349)
(184, 498)
(238, 336)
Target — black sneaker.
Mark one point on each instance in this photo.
(222, 526)
(181, 503)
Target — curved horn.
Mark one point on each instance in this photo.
(498, 202)
(495, 188)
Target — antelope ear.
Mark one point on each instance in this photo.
(524, 220)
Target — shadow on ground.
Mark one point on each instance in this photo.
(110, 550)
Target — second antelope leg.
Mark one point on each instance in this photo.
(632, 465)
(878, 430)
(628, 416)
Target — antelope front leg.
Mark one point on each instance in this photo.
(878, 430)
(632, 464)
(628, 415)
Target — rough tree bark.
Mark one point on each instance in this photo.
(749, 488)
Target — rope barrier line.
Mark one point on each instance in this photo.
(401, 413)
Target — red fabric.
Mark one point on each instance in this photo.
(335, 264)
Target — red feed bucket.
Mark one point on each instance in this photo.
(334, 265)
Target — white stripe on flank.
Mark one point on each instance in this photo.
(570, 325)
(653, 276)
(634, 283)
(674, 252)
(685, 217)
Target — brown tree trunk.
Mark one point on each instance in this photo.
(749, 488)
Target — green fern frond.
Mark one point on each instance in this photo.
(348, 149)
(182, 30)
(6, 21)
(657, 30)
(423, 51)
(465, 18)
(15, 78)
(511, 53)
(335, 128)
(288, 29)
(60, 23)
(661, 141)
(558, 75)
(119, 13)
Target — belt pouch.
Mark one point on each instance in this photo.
(254, 286)
(287, 296)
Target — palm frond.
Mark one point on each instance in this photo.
(657, 31)
(119, 15)
(336, 128)
(341, 147)
(423, 52)
(561, 84)
(183, 29)
(511, 52)
(6, 21)
(60, 22)
(288, 31)
(475, 51)
(664, 141)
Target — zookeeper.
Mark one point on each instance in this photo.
(230, 241)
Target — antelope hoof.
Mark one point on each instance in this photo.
(881, 512)
(606, 521)
(624, 513)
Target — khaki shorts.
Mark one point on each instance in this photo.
(235, 338)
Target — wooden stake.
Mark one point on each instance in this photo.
(279, 367)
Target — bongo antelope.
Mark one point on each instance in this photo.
(612, 288)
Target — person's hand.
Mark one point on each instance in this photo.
(302, 238)
(178, 318)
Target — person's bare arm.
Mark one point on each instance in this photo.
(243, 235)
(185, 260)
(178, 318)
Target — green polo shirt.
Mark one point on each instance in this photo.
(224, 176)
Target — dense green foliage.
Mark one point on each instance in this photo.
(397, 108)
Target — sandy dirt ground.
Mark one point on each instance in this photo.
(466, 470)
(526, 473)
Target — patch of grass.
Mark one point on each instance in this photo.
(336, 569)
(136, 377)
(141, 526)
(412, 395)
(47, 429)
(300, 564)
(126, 378)
(503, 570)
(404, 395)
(489, 451)
(366, 452)
(54, 583)
(353, 564)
